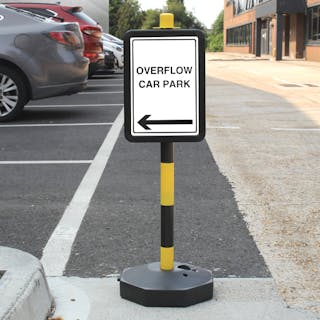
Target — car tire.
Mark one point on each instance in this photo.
(13, 93)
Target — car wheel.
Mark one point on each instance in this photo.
(13, 93)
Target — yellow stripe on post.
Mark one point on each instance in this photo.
(167, 184)
(166, 258)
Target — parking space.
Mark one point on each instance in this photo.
(44, 156)
(86, 201)
(51, 143)
(66, 114)
(122, 225)
(33, 199)
(102, 91)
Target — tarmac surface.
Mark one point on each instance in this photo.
(80, 197)
(271, 159)
(45, 156)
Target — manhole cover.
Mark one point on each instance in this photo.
(289, 85)
(311, 85)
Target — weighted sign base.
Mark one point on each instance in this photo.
(149, 286)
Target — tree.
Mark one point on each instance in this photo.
(129, 16)
(114, 6)
(151, 18)
(182, 17)
(217, 26)
(215, 38)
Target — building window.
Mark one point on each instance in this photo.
(240, 6)
(313, 23)
(239, 36)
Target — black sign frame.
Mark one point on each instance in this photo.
(201, 82)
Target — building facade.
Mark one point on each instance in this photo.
(280, 28)
(98, 10)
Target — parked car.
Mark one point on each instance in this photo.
(109, 60)
(115, 48)
(39, 58)
(91, 31)
(112, 38)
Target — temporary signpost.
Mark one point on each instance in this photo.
(165, 102)
(164, 79)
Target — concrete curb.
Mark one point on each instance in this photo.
(24, 289)
(234, 299)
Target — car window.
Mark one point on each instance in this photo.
(50, 14)
(42, 12)
(29, 14)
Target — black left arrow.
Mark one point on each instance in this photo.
(144, 122)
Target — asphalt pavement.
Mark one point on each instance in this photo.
(84, 201)
(46, 153)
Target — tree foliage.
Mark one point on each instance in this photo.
(130, 16)
(151, 18)
(114, 6)
(126, 14)
(183, 18)
(217, 26)
(215, 38)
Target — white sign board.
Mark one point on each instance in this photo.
(164, 86)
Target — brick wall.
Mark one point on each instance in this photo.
(296, 47)
(312, 2)
(231, 21)
(313, 52)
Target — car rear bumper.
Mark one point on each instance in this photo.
(109, 62)
(59, 90)
(94, 66)
(54, 82)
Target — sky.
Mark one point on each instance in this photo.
(205, 10)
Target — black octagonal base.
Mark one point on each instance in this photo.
(149, 286)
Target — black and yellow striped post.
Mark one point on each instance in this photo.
(167, 206)
(166, 283)
(167, 185)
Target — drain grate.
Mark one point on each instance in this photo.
(289, 85)
(311, 85)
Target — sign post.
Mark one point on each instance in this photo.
(165, 102)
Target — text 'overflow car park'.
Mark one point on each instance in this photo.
(39, 58)
(90, 29)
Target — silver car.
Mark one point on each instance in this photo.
(39, 58)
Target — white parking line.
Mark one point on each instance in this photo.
(48, 162)
(297, 129)
(223, 127)
(58, 249)
(101, 92)
(108, 76)
(108, 80)
(105, 85)
(75, 105)
(56, 124)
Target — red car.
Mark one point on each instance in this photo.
(91, 31)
